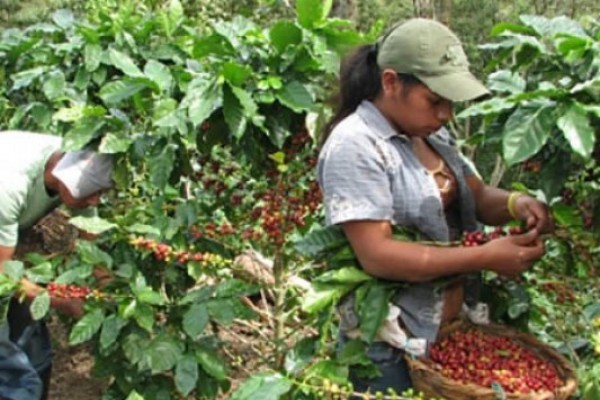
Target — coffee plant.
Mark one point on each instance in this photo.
(212, 240)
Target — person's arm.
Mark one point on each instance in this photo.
(72, 307)
(492, 207)
(385, 257)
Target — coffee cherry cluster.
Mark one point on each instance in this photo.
(164, 252)
(475, 357)
(67, 291)
(211, 230)
(563, 292)
(281, 212)
(477, 238)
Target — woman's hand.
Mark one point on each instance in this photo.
(514, 254)
(534, 214)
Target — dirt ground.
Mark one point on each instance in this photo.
(71, 370)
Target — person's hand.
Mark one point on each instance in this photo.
(514, 254)
(70, 307)
(103, 276)
(534, 214)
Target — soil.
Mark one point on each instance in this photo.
(71, 371)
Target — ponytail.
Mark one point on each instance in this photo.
(359, 80)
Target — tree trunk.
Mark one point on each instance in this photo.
(424, 8)
(345, 9)
(443, 11)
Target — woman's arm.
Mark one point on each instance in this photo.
(385, 257)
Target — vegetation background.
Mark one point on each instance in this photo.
(163, 82)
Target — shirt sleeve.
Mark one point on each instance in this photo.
(354, 179)
(9, 224)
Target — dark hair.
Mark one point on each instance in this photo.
(360, 79)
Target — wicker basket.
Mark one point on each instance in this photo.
(434, 384)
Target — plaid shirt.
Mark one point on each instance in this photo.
(367, 171)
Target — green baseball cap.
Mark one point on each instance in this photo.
(430, 51)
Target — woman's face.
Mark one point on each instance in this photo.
(414, 110)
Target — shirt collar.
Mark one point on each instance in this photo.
(376, 121)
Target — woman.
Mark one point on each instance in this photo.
(389, 161)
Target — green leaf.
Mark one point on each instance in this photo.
(24, 78)
(159, 74)
(264, 386)
(300, 356)
(284, 34)
(320, 240)
(133, 395)
(203, 101)
(41, 273)
(526, 132)
(510, 27)
(161, 167)
(295, 96)
(592, 109)
(506, 82)
(143, 229)
(163, 353)
(63, 18)
(186, 375)
(124, 63)
(134, 347)
(111, 327)
(344, 275)
(575, 126)
(14, 269)
(330, 370)
(236, 74)
(86, 327)
(69, 114)
(551, 27)
(234, 288)
(195, 320)
(312, 13)
(114, 92)
(93, 225)
(565, 216)
(198, 295)
(592, 311)
(323, 296)
(144, 316)
(517, 309)
(591, 85)
(372, 301)
(113, 143)
(212, 364)
(81, 134)
(354, 353)
(92, 255)
(92, 56)
(8, 287)
(54, 85)
(40, 305)
(149, 296)
(224, 311)
(233, 112)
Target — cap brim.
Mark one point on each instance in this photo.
(459, 86)
(84, 172)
